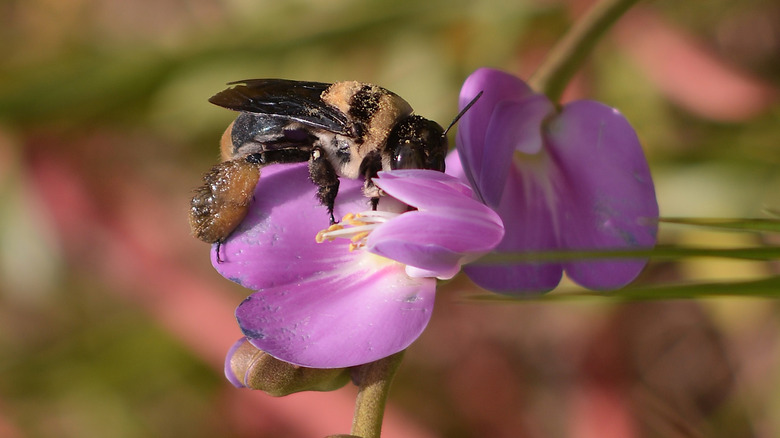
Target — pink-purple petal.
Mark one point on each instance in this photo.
(464, 233)
(497, 86)
(430, 194)
(449, 240)
(441, 274)
(432, 260)
(530, 227)
(236, 381)
(607, 198)
(455, 167)
(513, 127)
(417, 177)
(353, 314)
(268, 247)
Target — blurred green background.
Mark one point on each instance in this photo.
(114, 324)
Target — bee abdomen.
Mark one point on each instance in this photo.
(219, 206)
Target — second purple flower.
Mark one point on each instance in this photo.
(570, 178)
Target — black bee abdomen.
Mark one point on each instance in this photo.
(259, 132)
(247, 126)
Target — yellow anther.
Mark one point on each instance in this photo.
(356, 221)
(320, 237)
(359, 236)
(354, 226)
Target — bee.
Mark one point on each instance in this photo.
(346, 129)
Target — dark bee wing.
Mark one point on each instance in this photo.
(293, 100)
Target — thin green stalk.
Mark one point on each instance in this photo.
(566, 57)
(374, 382)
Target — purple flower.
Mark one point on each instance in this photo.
(570, 178)
(366, 290)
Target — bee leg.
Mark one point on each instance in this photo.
(251, 159)
(369, 168)
(322, 173)
(219, 247)
(222, 202)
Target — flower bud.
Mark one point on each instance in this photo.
(248, 367)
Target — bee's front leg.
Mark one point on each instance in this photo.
(323, 174)
(369, 168)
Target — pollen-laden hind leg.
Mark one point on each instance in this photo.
(219, 206)
(323, 174)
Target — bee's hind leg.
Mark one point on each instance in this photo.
(323, 174)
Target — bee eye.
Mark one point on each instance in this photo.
(407, 156)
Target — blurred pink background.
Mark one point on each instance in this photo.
(113, 323)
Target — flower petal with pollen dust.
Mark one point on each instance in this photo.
(318, 305)
(354, 314)
(366, 290)
(267, 249)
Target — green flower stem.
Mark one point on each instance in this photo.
(374, 379)
(566, 57)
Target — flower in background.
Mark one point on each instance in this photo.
(364, 288)
(570, 178)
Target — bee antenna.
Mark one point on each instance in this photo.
(462, 112)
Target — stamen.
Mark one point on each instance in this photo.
(360, 236)
(355, 227)
(321, 235)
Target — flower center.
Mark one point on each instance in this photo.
(356, 227)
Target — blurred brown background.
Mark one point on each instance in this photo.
(114, 324)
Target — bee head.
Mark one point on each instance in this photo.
(417, 143)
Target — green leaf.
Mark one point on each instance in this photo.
(762, 288)
(759, 225)
(661, 252)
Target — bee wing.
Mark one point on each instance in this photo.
(291, 100)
